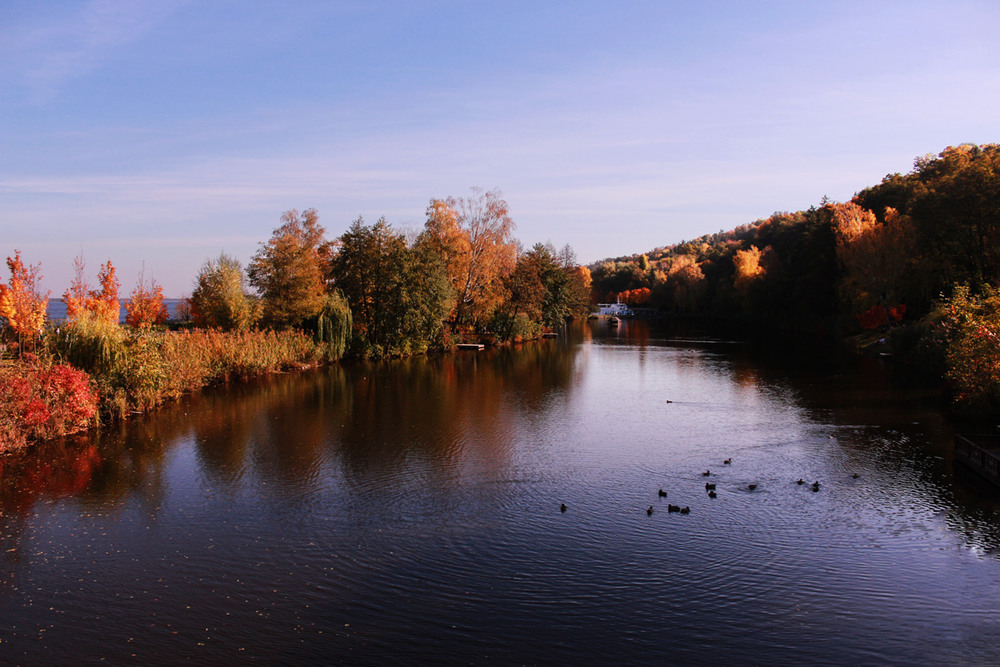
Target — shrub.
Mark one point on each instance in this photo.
(972, 358)
(41, 400)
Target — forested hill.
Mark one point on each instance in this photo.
(889, 253)
(914, 259)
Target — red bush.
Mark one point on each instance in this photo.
(40, 400)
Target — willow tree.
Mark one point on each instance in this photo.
(288, 270)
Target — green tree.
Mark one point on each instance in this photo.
(220, 298)
(399, 295)
(288, 271)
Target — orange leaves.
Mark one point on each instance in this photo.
(875, 257)
(145, 306)
(105, 303)
(21, 304)
(635, 297)
(101, 305)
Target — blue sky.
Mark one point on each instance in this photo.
(162, 132)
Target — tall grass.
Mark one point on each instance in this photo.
(138, 370)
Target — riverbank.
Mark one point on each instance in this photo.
(83, 376)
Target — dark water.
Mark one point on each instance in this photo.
(408, 512)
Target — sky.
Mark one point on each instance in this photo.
(158, 133)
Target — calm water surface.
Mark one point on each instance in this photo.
(410, 512)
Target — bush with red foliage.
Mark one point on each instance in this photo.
(41, 400)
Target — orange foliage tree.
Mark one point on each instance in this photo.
(635, 297)
(21, 304)
(874, 256)
(475, 236)
(145, 306)
(75, 297)
(101, 305)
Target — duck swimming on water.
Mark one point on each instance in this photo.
(649, 510)
(661, 493)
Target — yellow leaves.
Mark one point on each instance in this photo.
(747, 265)
(875, 256)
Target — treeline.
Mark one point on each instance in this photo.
(913, 260)
(369, 293)
(375, 291)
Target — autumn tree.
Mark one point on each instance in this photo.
(221, 299)
(104, 303)
(22, 305)
(525, 294)
(680, 284)
(145, 306)
(76, 296)
(100, 306)
(479, 250)
(874, 257)
(288, 270)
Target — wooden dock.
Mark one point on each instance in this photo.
(471, 346)
(981, 453)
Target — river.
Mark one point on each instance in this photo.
(410, 512)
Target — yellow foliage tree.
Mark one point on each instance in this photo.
(874, 256)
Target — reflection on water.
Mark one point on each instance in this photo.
(409, 510)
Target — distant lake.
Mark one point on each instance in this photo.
(408, 512)
(56, 310)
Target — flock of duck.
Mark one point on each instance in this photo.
(710, 488)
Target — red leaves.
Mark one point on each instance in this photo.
(876, 316)
(39, 401)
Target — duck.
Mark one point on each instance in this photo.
(855, 475)
(706, 473)
(661, 493)
(711, 494)
(649, 510)
(751, 487)
(562, 507)
(685, 510)
(673, 508)
(709, 487)
(727, 461)
(815, 486)
(800, 482)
